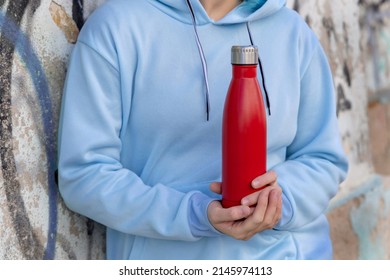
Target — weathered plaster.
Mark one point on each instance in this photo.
(36, 38)
(64, 22)
(370, 220)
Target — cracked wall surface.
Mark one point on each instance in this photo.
(36, 38)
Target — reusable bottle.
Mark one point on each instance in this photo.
(244, 128)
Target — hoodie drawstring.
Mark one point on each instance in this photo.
(261, 72)
(202, 58)
(204, 64)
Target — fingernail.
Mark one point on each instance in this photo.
(255, 183)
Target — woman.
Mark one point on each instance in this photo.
(140, 131)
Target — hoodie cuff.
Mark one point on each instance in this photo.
(287, 213)
(200, 225)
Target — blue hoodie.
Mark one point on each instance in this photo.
(137, 154)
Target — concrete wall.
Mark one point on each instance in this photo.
(356, 38)
(35, 42)
(36, 38)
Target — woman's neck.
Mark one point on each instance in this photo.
(217, 9)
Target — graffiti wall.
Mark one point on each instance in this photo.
(35, 42)
(36, 38)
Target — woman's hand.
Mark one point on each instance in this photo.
(258, 211)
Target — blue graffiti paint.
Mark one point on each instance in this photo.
(370, 184)
(23, 47)
(365, 219)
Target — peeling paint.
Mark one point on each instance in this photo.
(376, 20)
(364, 216)
(64, 22)
(368, 223)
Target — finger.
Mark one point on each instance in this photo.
(266, 179)
(254, 221)
(261, 207)
(216, 187)
(218, 214)
(265, 215)
(272, 214)
(279, 207)
(250, 199)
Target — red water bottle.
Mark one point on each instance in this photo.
(244, 129)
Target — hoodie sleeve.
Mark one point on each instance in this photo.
(315, 162)
(92, 180)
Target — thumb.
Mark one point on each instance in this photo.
(216, 187)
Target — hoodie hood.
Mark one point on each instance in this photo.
(178, 9)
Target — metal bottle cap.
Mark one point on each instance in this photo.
(245, 55)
